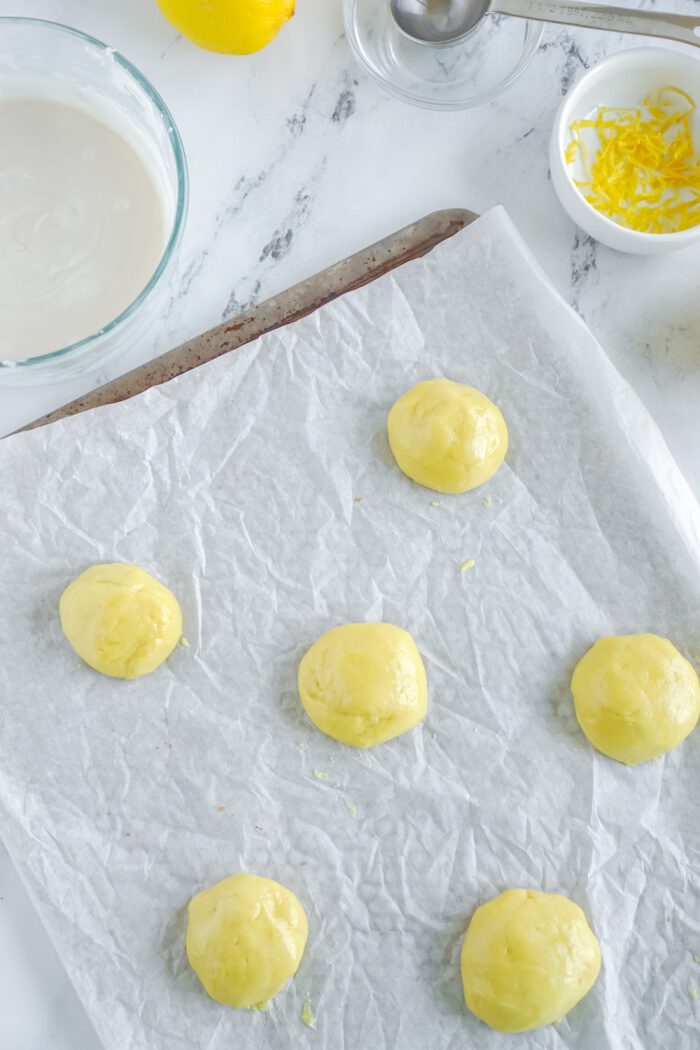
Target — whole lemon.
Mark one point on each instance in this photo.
(235, 27)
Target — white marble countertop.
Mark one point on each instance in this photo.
(296, 160)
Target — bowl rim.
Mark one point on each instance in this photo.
(182, 187)
(535, 28)
(634, 55)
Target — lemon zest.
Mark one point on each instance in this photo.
(307, 1015)
(645, 172)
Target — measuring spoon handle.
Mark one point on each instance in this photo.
(685, 28)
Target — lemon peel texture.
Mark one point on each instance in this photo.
(235, 27)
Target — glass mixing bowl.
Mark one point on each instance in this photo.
(465, 74)
(55, 59)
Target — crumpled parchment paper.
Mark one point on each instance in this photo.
(261, 490)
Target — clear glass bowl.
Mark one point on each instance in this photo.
(466, 74)
(53, 58)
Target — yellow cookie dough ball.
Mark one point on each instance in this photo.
(527, 959)
(635, 696)
(245, 939)
(120, 620)
(447, 436)
(364, 683)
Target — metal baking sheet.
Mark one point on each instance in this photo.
(359, 269)
(260, 488)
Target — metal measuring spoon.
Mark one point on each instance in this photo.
(440, 22)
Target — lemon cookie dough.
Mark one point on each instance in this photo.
(635, 696)
(364, 683)
(245, 939)
(447, 436)
(527, 959)
(120, 620)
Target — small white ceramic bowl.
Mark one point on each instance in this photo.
(622, 80)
